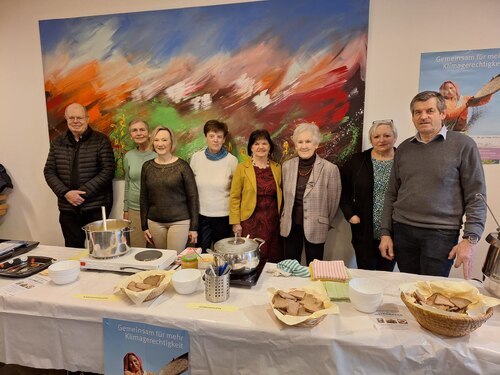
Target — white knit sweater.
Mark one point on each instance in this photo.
(213, 179)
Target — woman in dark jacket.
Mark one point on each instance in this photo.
(364, 182)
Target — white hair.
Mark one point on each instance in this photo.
(307, 127)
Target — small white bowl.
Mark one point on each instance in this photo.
(64, 272)
(186, 281)
(366, 294)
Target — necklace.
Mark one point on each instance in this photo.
(258, 166)
(307, 172)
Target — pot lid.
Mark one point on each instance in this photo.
(236, 245)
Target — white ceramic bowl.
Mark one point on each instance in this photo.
(186, 281)
(65, 271)
(366, 294)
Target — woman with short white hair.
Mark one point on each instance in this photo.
(311, 194)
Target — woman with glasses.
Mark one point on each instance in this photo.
(132, 165)
(364, 181)
(311, 193)
(169, 197)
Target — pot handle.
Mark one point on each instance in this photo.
(260, 241)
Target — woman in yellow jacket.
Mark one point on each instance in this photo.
(255, 200)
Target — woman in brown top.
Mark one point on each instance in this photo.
(169, 197)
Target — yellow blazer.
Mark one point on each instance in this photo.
(243, 197)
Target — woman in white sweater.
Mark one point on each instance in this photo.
(213, 168)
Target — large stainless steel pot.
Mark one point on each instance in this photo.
(491, 267)
(110, 242)
(241, 253)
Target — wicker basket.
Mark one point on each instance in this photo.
(309, 323)
(454, 326)
(306, 321)
(146, 295)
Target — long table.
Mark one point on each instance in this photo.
(52, 326)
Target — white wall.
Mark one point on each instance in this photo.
(399, 31)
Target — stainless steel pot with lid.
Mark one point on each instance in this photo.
(109, 242)
(491, 266)
(242, 253)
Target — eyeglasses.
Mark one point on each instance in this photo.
(74, 118)
(379, 122)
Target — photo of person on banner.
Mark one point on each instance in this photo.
(457, 105)
(132, 365)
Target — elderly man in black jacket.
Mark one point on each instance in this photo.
(80, 169)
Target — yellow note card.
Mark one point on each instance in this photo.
(210, 306)
(99, 297)
(80, 255)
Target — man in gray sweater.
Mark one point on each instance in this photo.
(437, 177)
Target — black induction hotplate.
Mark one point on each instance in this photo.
(18, 247)
(250, 279)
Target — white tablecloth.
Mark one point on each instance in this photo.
(49, 326)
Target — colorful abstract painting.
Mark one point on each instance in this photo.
(269, 64)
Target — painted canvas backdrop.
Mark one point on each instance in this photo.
(270, 64)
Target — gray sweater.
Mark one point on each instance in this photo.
(434, 184)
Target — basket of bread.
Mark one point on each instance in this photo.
(146, 285)
(449, 308)
(302, 307)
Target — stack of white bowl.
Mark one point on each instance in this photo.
(65, 271)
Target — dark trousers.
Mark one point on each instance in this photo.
(72, 223)
(294, 242)
(424, 251)
(370, 258)
(212, 229)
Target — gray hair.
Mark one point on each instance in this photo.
(378, 123)
(307, 127)
(136, 121)
(426, 95)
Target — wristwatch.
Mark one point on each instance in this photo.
(472, 238)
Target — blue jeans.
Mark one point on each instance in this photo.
(424, 251)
